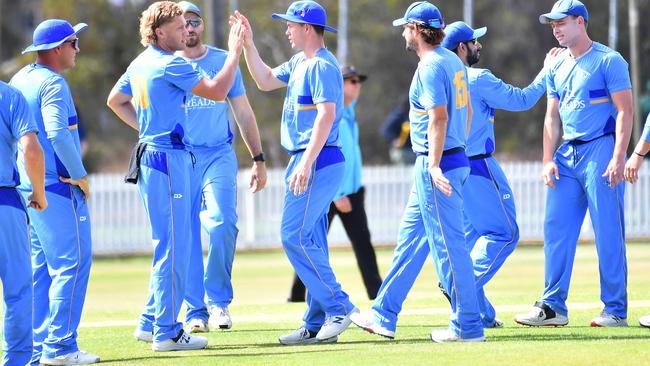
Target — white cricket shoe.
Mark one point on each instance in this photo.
(366, 322)
(606, 319)
(143, 336)
(447, 336)
(197, 325)
(303, 336)
(644, 321)
(184, 341)
(74, 358)
(335, 325)
(542, 315)
(219, 317)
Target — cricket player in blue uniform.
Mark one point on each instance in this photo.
(17, 126)
(491, 238)
(440, 114)
(61, 243)
(213, 185)
(312, 110)
(158, 82)
(590, 99)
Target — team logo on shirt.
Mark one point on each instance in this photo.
(571, 103)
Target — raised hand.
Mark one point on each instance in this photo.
(248, 30)
(236, 37)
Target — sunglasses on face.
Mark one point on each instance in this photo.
(73, 42)
(354, 81)
(473, 41)
(194, 22)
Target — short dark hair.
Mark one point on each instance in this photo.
(430, 35)
(319, 29)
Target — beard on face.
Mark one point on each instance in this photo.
(192, 41)
(412, 45)
(472, 56)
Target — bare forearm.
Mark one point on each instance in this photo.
(35, 165)
(551, 136)
(226, 76)
(260, 71)
(247, 124)
(127, 114)
(623, 133)
(319, 134)
(250, 134)
(436, 135)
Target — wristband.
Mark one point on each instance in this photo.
(259, 157)
(641, 155)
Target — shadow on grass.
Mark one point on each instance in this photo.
(215, 352)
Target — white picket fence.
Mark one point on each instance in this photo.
(120, 225)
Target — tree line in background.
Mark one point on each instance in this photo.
(513, 48)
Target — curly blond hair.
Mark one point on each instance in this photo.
(155, 16)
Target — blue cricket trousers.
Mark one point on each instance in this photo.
(214, 208)
(433, 223)
(491, 229)
(582, 186)
(164, 185)
(304, 236)
(61, 259)
(16, 275)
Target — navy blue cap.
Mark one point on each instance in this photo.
(563, 8)
(458, 32)
(189, 7)
(52, 33)
(423, 13)
(306, 12)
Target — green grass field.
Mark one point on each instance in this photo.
(260, 314)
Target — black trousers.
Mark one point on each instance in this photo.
(355, 223)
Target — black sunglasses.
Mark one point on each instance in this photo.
(194, 22)
(354, 81)
(473, 41)
(73, 42)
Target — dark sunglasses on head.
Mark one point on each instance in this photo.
(73, 42)
(194, 22)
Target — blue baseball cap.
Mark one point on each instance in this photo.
(189, 7)
(458, 32)
(52, 33)
(306, 12)
(564, 8)
(423, 13)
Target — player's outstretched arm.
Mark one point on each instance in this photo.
(217, 88)
(259, 70)
(120, 104)
(35, 166)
